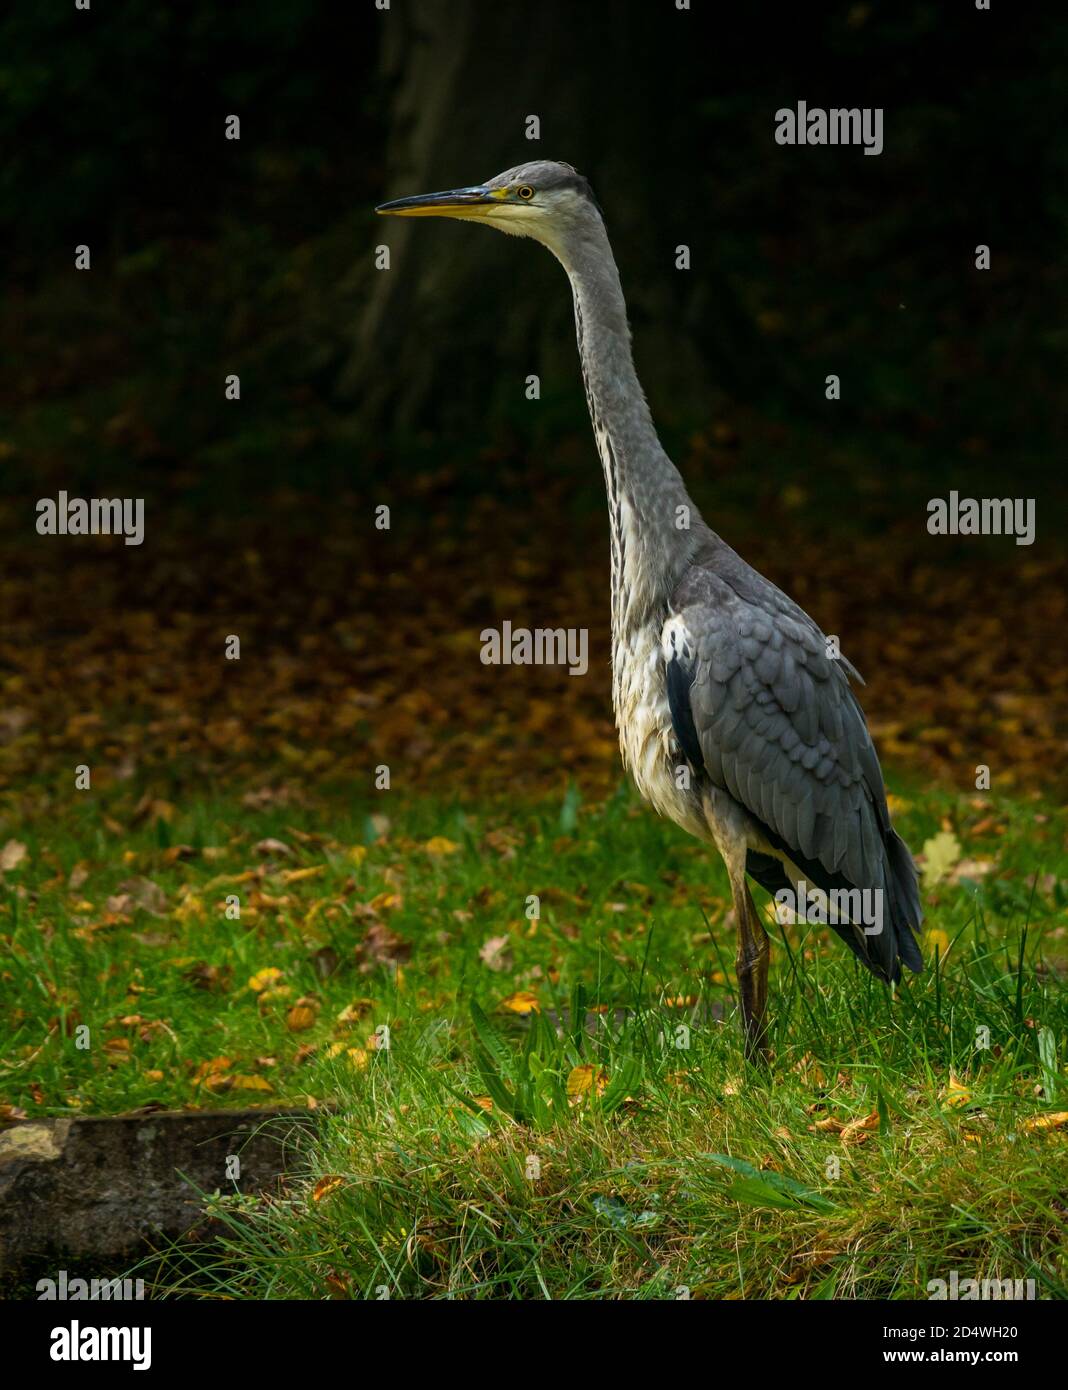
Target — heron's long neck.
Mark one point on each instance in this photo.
(650, 512)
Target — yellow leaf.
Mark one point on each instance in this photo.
(437, 846)
(252, 1083)
(955, 1094)
(272, 996)
(940, 853)
(586, 1080)
(1039, 1122)
(386, 902)
(296, 875)
(325, 1186)
(358, 853)
(263, 978)
(522, 1003)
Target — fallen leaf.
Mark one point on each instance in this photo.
(856, 1131)
(438, 846)
(381, 946)
(214, 1067)
(1040, 1122)
(352, 1013)
(147, 895)
(302, 1015)
(940, 853)
(297, 875)
(12, 854)
(521, 1003)
(586, 1080)
(265, 977)
(252, 1083)
(269, 846)
(955, 1094)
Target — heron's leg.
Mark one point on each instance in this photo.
(754, 949)
(754, 953)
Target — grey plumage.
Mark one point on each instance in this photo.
(712, 664)
(779, 727)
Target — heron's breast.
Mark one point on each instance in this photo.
(646, 733)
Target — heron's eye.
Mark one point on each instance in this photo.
(525, 192)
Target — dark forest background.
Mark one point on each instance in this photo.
(212, 256)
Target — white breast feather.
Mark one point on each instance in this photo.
(646, 734)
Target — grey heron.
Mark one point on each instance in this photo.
(736, 717)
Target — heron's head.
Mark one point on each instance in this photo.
(544, 200)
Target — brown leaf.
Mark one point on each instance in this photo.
(856, 1131)
(176, 852)
(381, 946)
(302, 1015)
(269, 846)
(210, 977)
(12, 855)
(147, 895)
(327, 1184)
(78, 875)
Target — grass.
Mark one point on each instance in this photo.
(548, 1098)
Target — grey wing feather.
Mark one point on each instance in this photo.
(780, 728)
